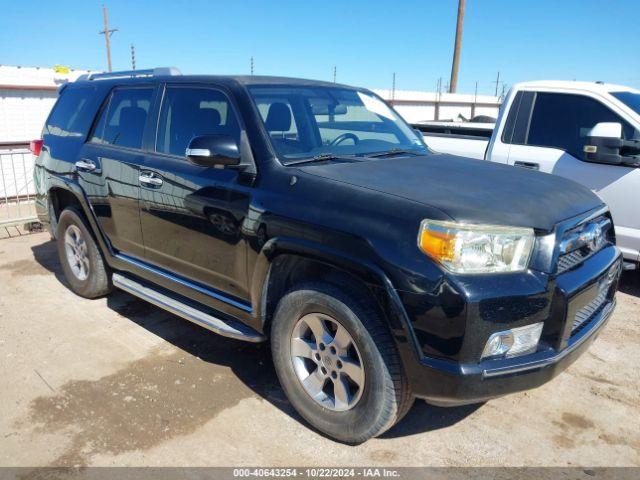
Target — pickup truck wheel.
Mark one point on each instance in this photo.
(337, 363)
(80, 258)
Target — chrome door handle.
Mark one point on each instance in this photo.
(85, 165)
(149, 179)
(529, 165)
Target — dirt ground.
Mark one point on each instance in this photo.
(117, 381)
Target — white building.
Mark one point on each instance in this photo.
(26, 97)
(417, 106)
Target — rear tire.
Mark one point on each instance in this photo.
(378, 396)
(81, 261)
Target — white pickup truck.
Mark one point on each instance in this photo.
(588, 132)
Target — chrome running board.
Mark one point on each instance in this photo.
(225, 328)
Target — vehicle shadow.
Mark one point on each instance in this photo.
(250, 363)
(630, 283)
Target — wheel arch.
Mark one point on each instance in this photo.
(284, 262)
(63, 193)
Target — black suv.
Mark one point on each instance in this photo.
(312, 215)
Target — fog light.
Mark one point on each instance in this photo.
(514, 342)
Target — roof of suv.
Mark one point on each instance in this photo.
(128, 77)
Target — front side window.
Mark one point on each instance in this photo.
(307, 121)
(123, 119)
(189, 112)
(564, 121)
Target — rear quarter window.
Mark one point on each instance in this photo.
(72, 114)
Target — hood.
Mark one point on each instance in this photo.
(472, 191)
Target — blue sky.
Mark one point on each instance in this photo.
(366, 40)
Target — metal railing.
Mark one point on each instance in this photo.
(17, 191)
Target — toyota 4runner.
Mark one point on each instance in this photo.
(311, 215)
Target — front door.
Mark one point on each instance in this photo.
(191, 215)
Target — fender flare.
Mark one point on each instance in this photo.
(77, 191)
(366, 271)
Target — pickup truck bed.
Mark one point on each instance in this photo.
(463, 139)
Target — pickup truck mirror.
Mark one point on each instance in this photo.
(604, 142)
(213, 150)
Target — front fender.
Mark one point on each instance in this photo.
(367, 272)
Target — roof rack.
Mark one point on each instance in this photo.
(151, 72)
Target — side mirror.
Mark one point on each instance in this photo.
(603, 143)
(213, 150)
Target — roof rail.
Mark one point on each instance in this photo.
(151, 72)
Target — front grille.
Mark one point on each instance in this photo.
(576, 245)
(589, 311)
(572, 259)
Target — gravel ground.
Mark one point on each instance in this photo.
(116, 381)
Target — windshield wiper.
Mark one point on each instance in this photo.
(392, 152)
(323, 157)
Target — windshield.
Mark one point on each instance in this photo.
(630, 99)
(310, 121)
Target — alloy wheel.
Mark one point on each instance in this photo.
(327, 362)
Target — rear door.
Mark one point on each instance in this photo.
(108, 165)
(552, 136)
(192, 215)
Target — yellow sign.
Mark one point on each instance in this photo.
(61, 69)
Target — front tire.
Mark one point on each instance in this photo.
(337, 362)
(81, 261)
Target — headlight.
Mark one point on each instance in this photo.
(476, 248)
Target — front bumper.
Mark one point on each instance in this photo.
(448, 383)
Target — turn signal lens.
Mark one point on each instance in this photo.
(436, 244)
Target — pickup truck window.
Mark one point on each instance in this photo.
(123, 118)
(188, 112)
(517, 125)
(563, 121)
(308, 121)
(630, 99)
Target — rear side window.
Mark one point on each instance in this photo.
(189, 112)
(72, 115)
(123, 118)
(517, 124)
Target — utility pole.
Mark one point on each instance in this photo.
(251, 65)
(453, 84)
(335, 71)
(133, 57)
(107, 35)
(393, 88)
(475, 100)
(497, 83)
